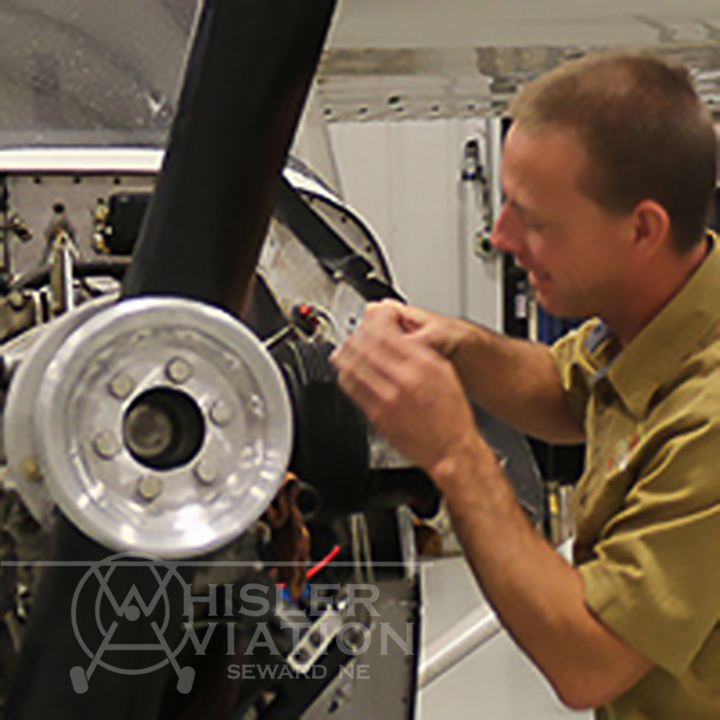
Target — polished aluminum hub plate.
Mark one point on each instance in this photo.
(163, 426)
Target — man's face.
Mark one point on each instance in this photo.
(575, 252)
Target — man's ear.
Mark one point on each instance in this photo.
(651, 227)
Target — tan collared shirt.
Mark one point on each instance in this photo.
(648, 504)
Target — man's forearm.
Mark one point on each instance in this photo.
(538, 596)
(515, 380)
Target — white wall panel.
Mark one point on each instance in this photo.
(481, 274)
(404, 178)
(425, 176)
(362, 152)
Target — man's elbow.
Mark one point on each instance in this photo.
(578, 700)
(583, 692)
(586, 690)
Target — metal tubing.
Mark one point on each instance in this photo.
(453, 646)
(478, 627)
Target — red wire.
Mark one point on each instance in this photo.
(315, 569)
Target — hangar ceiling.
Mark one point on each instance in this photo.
(509, 23)
(423, 58)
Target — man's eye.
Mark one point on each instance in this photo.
(535, 225)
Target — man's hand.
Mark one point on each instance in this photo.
(394, 369)
(442, 334)
(515, 380)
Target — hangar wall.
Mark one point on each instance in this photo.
(405, 178)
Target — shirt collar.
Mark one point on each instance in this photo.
(681, 328)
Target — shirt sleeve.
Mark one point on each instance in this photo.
(655, 579)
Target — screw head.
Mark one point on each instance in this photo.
(206, 471)
(341, 599)
(121, 386)
(353, 638)
(149, 487)
(31, 471)
(257, 406)
(16, 299)
(178, 370)
(221, 413)
(106, 445)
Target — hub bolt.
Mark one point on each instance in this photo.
(221, 413)
(179, 371)
(105, 445)
(206, 471)
(149, 487)
(121, 386)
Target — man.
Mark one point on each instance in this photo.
(608, 173)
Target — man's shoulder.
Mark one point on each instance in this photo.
(692, 393)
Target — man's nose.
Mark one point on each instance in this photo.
(506, 235)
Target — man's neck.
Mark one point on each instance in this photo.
(652, 295)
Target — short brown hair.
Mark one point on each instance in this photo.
(645, 130)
